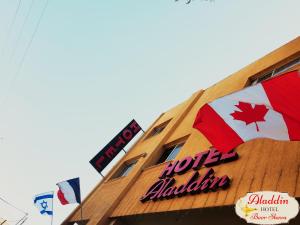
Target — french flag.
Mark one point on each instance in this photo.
(270, 109)
(69, 191)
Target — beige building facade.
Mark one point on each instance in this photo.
(257, 165)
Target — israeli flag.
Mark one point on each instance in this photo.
(44, 202)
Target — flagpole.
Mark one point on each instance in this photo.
(81, 204)
(81, 211)
(101, 175)
(52, 209)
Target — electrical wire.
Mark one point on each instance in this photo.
(20, 210)
(23, 221)
(31, 40)
(21, 31)
(9, 221)
(11, 26)
(17, 73)
(19, 221)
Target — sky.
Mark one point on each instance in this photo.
(95, 65)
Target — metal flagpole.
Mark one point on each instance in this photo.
(101, 175)
(52, 209)
(3, 222)
(81, 211)
(81, 202)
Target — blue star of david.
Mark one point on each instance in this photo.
(44, 205)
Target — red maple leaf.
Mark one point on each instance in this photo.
(248, 114)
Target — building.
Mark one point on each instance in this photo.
(263, 164)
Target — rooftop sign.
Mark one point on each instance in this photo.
(111, 150)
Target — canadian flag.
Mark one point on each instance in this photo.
(270, 109)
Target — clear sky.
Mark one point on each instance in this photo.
(95, 65)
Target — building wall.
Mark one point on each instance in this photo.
(263, 164)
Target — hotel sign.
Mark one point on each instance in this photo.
(111, 150)
(267, 207)
(165, 187)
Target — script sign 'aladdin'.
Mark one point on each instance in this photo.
(165, 188)
(111, 150)
(267, 207)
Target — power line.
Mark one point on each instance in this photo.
(19, 221)
(21, 31)
(11, 25)
(10, 221)
(31, 40)
(15, 76)
(20, 210)
(23, 221)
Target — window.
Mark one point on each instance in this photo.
(125, 170)
(276, 71)
(262, 78)
(170, 153)
(158, 129)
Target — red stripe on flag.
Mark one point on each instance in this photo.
(220, 135)
(284, 95)
(61, 198)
